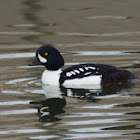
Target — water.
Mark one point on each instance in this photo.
(84, 32)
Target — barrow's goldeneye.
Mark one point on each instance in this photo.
(82, 74)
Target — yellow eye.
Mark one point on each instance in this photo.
(45, 53)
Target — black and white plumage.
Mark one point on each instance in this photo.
(108, 74)
(82, 74)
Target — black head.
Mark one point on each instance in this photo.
(49, 57)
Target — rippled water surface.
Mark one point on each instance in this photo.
(84, 32)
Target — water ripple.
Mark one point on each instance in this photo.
(35, 91)
(16, 55)
(22, 131)
(88, 122)
(13, 112)
(14, 103)
(19, 80)
(88, 136)
(100, 106)
(102, 43)
(101, 53)
(103, 34)
(44, 137)
(108, 17)
(89, 114)
(12, 92)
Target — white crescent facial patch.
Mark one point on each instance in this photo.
(42, 59)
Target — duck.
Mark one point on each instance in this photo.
(76, 75)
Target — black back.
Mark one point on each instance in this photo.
(109, 73)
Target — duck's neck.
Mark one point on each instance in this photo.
(51, 77)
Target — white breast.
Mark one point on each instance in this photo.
(51, 77)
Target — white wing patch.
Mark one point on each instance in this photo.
(73, 73)
(87, 73)
(68, 74)
(86, 68)
(81, 70)
(86, 79)
(77, 71)
(93, 68)
(42, 59)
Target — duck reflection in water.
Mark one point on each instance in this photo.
(91, 93)
(52, 106)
